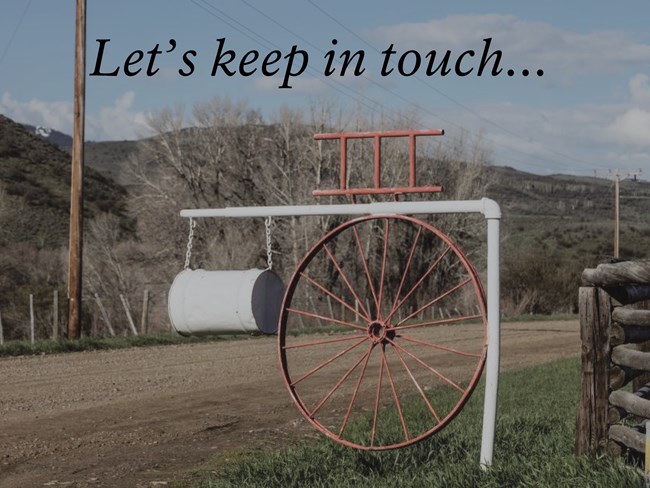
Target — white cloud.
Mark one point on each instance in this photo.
(532, 44)
(115, 122)
(640, 89)
(632, 127)
(571, 139)
(120, 122)
(56, 115)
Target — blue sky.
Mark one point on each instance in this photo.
(589, 111)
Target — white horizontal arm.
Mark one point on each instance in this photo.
(489, 208)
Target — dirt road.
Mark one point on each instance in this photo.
(147, 416)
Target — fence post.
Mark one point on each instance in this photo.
(591, 419)
(31, 318)
(104, 315)
(55, 315)
(145, 312)
(128, 315)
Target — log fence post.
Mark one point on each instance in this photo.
(615, 334)
(591, 421)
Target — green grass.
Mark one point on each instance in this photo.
(22, 348)
(540, 317)
(534, 448)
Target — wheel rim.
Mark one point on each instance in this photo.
(389, 372)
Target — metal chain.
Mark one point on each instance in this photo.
(190, 237)
(269, 250)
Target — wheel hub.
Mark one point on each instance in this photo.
(379, 331)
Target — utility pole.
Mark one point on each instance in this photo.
(616, 175)
(617, 212)
(75, 249)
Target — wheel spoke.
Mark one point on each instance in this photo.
(417, 385)
(338, 299)
(345, 279)
(438, 346)
(427, 273)
(365, 267)
(383, 268)
(392, 387)
(329, 361)
(406, 268)
(337, 385)
(433, 370)
(441, 321)
(376, 411)
(326, 319)
(356, 390)
(324, 341)
(435, 300)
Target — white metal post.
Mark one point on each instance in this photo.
(492, 365)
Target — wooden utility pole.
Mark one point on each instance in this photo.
(75, 250)
(615, 175)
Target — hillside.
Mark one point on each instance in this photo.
(107, 157)
(35, 183)
(552, 228)
(59, 139)
(572, 215)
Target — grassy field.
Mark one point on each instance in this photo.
(534, 448)
(22, 348)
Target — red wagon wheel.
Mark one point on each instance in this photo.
(382, 334)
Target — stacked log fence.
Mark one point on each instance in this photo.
(615, 332)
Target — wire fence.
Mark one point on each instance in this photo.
(43, 316)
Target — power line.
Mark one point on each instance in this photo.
(404, 99)
(13, 34)
(208, 7)
(211, 9)
(388, 90)
(440, 92)
(341, 88)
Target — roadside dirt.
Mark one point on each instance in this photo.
(149, 416)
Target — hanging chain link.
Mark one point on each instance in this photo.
(269, 250)
(190, 238)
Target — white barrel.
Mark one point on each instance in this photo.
(204, 302)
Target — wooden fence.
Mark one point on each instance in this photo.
(615, 333)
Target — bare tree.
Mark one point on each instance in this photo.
(228, 155)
